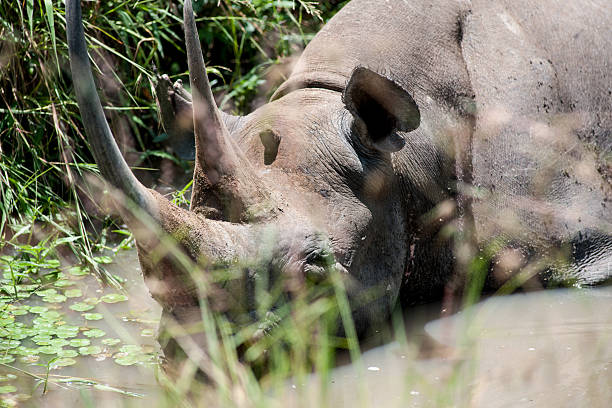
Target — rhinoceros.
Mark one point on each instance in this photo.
(410, 135)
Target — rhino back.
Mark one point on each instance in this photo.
(542, 81)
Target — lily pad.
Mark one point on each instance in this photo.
(126, 360)
(73, 293)
(38, 309)
(67, 331)
(130, 349)
(51, 315)
(113, 298)
(42, 323)
(58, 342)
(19, 312)
(17, 332)
(111, 342)
(49, 350)
(63, 362)
(54, 298)
(42, 339)
(80, 342)
(6, 344)
(25, 351)
(6, 359)
(94, 333)
(46, 292)
(6, 320)
(67, 353)
(93, 316)
(63, 283)
(90, 350)
(81, 307)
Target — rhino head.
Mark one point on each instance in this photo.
(301, 185)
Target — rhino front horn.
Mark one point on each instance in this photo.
(225, 170)
(108, 157)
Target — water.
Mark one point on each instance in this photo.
(541, 349)
(127, 321)
(96, 380)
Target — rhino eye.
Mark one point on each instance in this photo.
(319, 253)
(270, 141)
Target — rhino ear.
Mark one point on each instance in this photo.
(381, 108)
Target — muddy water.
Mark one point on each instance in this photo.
(134, 322)
(97, 380)
(541, 349)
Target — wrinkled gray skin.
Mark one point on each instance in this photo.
(392, 112)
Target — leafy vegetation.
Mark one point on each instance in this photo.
(47, 325)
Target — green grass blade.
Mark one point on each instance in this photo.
(51, 23)
(30, 12)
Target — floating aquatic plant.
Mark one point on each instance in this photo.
(113, 298)
(56, 334)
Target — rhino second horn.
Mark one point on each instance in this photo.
(227, 170)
